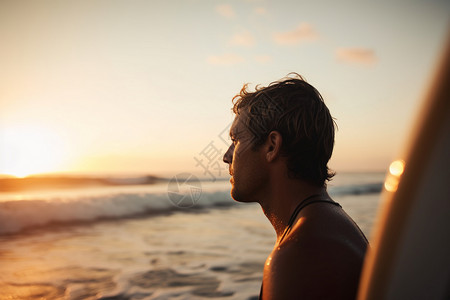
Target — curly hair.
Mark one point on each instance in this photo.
(297, 111)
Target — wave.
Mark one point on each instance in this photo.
(19, 215)
(361, 189)
(12, 184)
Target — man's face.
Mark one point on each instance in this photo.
(246, 165)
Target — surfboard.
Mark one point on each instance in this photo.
(410, 253)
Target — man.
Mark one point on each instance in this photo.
(283, 137)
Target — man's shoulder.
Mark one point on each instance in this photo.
(331, 240)
(323, 269)
(322, 256)
(326, 225)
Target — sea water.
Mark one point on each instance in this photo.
(136, 242)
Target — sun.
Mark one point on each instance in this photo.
(29, 149)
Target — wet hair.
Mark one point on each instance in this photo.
(297, 111)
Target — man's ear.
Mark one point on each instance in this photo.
(273, 145)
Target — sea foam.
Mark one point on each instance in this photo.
(18, 215)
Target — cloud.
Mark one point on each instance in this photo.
(260, 11)
(225, 59)
(302, 33)
(362, 56)
(243, 39)
(225, 10)
(262, 59)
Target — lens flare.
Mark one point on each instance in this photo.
(396, 169)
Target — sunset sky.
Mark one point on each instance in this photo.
(146, 86)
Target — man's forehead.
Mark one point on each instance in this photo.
(238, 126)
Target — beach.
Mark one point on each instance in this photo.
(134, 243)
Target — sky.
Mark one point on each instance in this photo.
(145, 87)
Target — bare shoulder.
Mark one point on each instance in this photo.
(321, 258)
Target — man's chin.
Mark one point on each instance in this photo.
(238, 197)
(234, 194)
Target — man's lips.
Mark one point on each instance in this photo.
(231, 174)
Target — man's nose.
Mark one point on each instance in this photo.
(228, 157)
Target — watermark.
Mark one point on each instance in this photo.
(263, 110)
(184, 190)
(210, 159)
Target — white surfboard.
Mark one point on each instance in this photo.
(410, 255)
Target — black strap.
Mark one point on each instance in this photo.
(294, 215)
(297, 210)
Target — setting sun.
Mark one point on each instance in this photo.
(26, 150)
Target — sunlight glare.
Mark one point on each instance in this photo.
(396, 169)
(26, 150)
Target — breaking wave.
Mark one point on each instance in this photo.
(19, 215)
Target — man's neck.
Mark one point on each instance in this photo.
(285, 195)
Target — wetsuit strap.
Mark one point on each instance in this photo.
(294, 215)
(297, 210)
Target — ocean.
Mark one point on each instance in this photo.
(178, 239)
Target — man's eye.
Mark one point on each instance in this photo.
(234, 140)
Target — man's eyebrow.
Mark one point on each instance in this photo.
(235, 134)
(232, 133)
